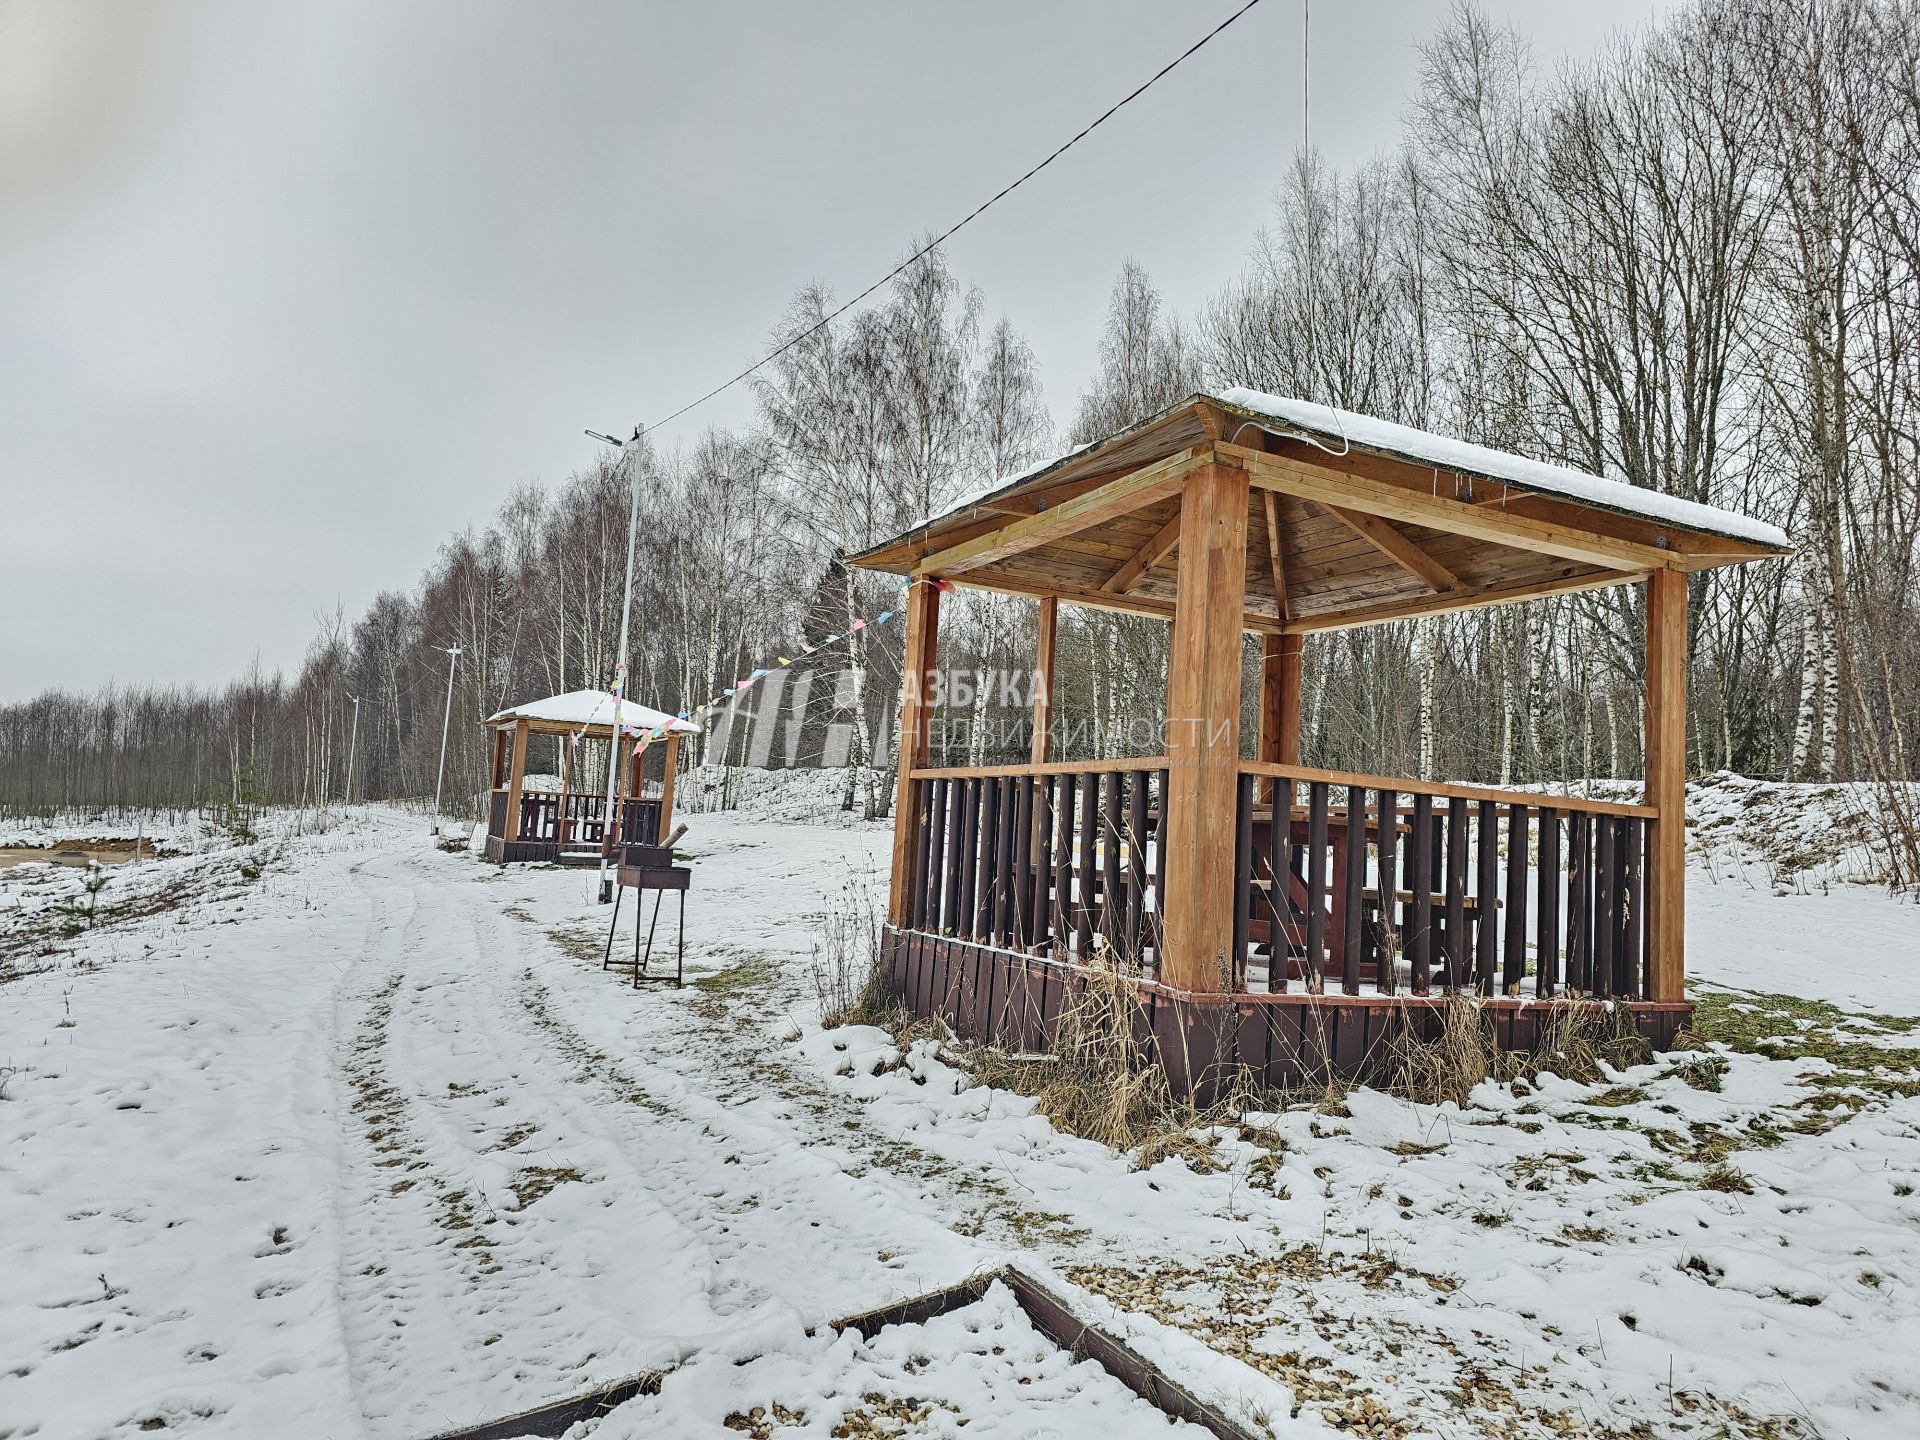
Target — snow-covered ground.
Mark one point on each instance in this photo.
(346, 1135)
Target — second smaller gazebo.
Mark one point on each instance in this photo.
(566, 824)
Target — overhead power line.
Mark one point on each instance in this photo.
(953, 230)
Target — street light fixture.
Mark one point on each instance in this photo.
(452, 652)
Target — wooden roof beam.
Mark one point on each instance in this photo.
(1281, 606)
(1145, 558)
(1118, 497)
(1397, 548)
(1467, 597)
(1330, 487)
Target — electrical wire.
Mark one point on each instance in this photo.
(953, 230)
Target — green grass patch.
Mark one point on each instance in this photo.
(756, 972)
(1787, 1027)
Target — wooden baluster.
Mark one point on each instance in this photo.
(1279, 871)
(988, 847)
(1112, 903)
(1388, 847)
(1547, 907)
(1605, 926)
(950, 905)
(921, 794)
(1136, 867)
(1000, 915)
(1579, 894)
(1487, 932)
(1089, 840)
(1455, 937)
(1043, 866)
(1159, 868)
(1515, 948)
(968, 914)
(1022, 862)
(1317, 859)
(1616, 918)
(1353, 935)
(1063, 909)
(1420, 838)
(1632, 890)
(936, 859)
(1242, 880)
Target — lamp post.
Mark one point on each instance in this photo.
(452, 652)
(353, 745)
(630, 457)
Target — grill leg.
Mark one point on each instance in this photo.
(639, 965)
(680, 952)
(607, 959)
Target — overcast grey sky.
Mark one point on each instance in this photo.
(289, 292)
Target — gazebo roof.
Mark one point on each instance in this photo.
(591, 711)
(1352, 520)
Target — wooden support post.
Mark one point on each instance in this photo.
(1666, 787)
(1203, 730)
(671, 765)
(562, 825)
(1047, 628)
(1292, 649)
(515, 775)
(499, 757)
(1279, 702)
(916, 736)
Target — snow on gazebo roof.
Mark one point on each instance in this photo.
(591, 710)
(1348, 427)
(1350, 521)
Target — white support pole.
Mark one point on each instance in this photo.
(452, 652)
(353, 745)
(630, 454)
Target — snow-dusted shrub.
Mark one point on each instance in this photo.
(849, 978)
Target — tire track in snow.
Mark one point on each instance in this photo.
(449, 1296)
(527, 1214)
(783, 1218)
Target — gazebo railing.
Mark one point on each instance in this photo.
(1346, 881)
(577, 818)
(1342, 882)
(1048, 859)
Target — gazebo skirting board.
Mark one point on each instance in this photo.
(1353, 896)
(566, 828)
(1207, 1042)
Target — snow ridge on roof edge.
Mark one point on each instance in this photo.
(1482, 460)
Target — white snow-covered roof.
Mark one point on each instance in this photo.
(1345, 427)
(995, 486)
(593, 707)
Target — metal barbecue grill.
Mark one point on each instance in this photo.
(642, 868)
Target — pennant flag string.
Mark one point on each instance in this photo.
(730, 697)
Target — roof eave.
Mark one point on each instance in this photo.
(982, 505)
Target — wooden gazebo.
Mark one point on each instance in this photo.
(1280, 917)
(569, 824)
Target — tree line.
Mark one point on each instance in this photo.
(1691, 262)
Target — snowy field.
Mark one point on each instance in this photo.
(341, 1134)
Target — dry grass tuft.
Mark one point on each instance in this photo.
(1577, 1042)
(1101, 1080)
(849, 979)
(1446, 1068)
